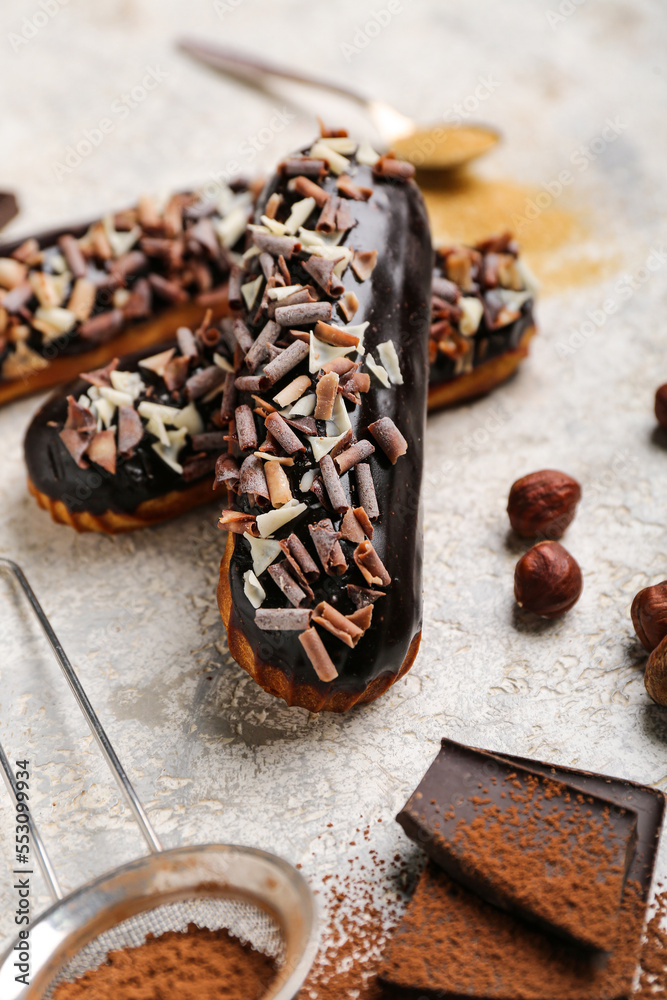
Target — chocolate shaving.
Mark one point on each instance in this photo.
(267, 264)
(258, 350)
(348, 304)
(393, 169)
(390, 439)
(238, 523)
(306, 425)
(344, 216)
(252, 480)
(79, 418)
(366, 490)
(335, 335)
(243, 336)
(101, 328)
(290, 358)
(158, 362)
(82, 300)
(302, 313)
(327, 220)
(204, 381)
(168, 290)
(336, 623)
(344, 443)
(363, 263)
(338, 365)
(282, 619)
(350, 528)
(364, 520)
(234, 295)
(76, 443)
(318, 656)
(176, 373)
(130, 430)
(252, 383)
(308, 189)
(297, 553)
(278, 483)
(370, 564)
(322, 271)
(327, 390)
(288, 585)
(445, 289)
(284, 270)
(356, 453)
(347, 187)
(197, 466)
(100, 377)
(333, 485)
(276, 245)
(102, 450)
(71, 251)
(356, 383)
(362, 616)
(246, 431)
(283, 434)
(126, 265)
(227, 473)
(305, 165)
(325, 540)
(204, 233)
(273, 204)
(228, 398)
(208, 441)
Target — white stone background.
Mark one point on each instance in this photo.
(213, 757)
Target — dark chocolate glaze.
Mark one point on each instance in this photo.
(142, 477)
(488, 344)
(396, 302)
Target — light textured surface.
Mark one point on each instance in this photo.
(214, 758)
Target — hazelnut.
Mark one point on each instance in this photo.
(655, 678)
(661, 405)
(547, 580)
(543, 503)
(649, 615)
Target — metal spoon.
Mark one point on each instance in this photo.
(435, 147)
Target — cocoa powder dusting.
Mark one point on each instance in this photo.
(195, 965)
(653, 959)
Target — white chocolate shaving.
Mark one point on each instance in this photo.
(322, 445)
(472, 310)
(222, 363)
(156, 427)
(299, 214)
(273, 226)
(321, 150)
(389, 359)
(278, 294)
(116, 397)
(253, 589)
(341, 144)
(304, 406)
(121, 243)
(232, 227)
(307, 480)
(250, 291)
(377, 370)
(321, 353)
(128, 382)
(60, 320)
(366, 154)
(189, 419)
(275, 519)
(263, 551)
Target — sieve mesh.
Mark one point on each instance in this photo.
(250, 924)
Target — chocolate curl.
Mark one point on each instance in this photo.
(234, 295)
(128, 264)
(228, 405)
(238, 523)
(352, 386)
(336, 623)
(325, 540)
(318, 656)
(308, 189)
(302, 313)
(348, 305)
(397, 170)
(293, 391)
(252, 383)
(197, 466)
(258, 350)
(390, 439)
(327, 390)
(245, 428)
(305, 294)
(347, 439)
(227, 473)
(79, 418)
(71, 251)
(82, 300)
(102, 450)
(322, 271)
(305, 165)
(332, 484)
(267, 264)
(338, 365)
(282, 619)
(445, 289)
(99, 328)
(298, 554)
(209, 441)
(204, 233)
(176, 373)
(277, 246)
(290, 358)
(370, 564)
(262, 407)
(100, 377)
(366, 490)
(306, 425)
(284, 270)
(171, 291)
(362, 616)
(351, 529)
(283, 434)
(364, 520)
(243, 336)
(204, 381)
(363, 263)
(140, 303)
(345, 219)
(347, 187)
(278, 483)
(356, 453)
(327, 220)
(272, 205)
(76, 443)
(252, 480)
(335, 335)
(130, 430)
(288, 585)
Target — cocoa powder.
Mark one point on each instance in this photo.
(197, 964)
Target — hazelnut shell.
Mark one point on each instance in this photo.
(649, 615)
(655, 677)
(547, 580)
(543, 503)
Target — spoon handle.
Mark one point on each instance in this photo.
(239, 63)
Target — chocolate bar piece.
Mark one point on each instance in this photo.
(528, 843)
(453, 944)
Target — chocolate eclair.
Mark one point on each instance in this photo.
(73, 298)
(136, 442)
(482, 318)
(320, 584)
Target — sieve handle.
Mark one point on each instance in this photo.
(96, 727)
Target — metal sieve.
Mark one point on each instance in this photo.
(259, 898)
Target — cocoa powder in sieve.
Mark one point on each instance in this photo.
(197, 964)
